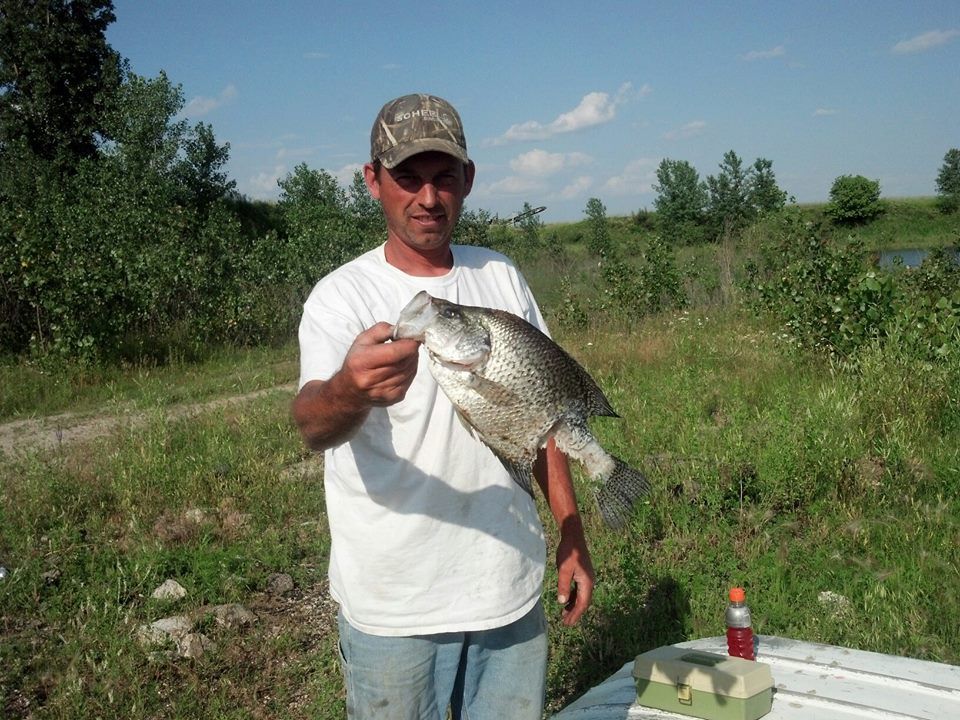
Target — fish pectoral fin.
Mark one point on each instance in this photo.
(465, 421)
(522, 474)
(493, 392)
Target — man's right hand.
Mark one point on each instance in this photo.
(375, 373)
(379, 372)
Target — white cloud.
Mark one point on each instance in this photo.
(315, 56)
(344, 175)
(595, 108)
(637, 178)
(514, 185)
(264, 184)
(578, 187)
(531, 168)
(820, 112)
(778, 51)
(541, 163)
(691, 129)
(926, 41)
(201, 105)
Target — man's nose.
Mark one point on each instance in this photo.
(428, 194)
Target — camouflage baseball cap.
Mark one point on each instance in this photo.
(414, 124)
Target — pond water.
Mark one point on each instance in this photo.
(912, 257)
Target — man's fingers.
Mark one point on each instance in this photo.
(376, 334)
(577, 604)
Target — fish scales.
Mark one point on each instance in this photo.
(500, 410)
(515, 388)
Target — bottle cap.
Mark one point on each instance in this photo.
(737, 594)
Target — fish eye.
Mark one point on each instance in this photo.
(450, 313)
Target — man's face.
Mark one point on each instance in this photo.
(421, 198)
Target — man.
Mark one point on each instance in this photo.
(437, 555)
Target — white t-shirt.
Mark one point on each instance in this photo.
(429, 532)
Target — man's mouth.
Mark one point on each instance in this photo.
(429, 220)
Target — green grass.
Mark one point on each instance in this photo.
(778, 470)
(38, 389)
(910, 223)
(771, 469)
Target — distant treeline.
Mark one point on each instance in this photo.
(122, 237)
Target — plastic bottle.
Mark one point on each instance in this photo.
(739, 629)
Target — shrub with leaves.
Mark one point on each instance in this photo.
(729, 207)
(811, 285)
(854, 199)
(681, 202)
(598, 241)
(652, 286)
(473, 228)
(927, 322)
(948, 182)
(823, 292)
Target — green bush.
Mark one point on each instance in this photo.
(854, 199)
(824, 294)
(948, 182)
(598, 241)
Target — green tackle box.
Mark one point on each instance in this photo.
(702, 684)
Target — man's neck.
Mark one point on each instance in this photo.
(419, 263)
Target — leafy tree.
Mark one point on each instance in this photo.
(145, 138)
(854, 199)
(765, 195)
(530, 226)
(310, 199)
(729, 207)
(57, 73)
(681, 202)
(364, 209)
(320, 231)
(599, 240)
(948, 182)
(473, 228)
(200, 173)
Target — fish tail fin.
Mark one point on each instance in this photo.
(620, 492)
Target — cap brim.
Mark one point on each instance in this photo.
(396, 155)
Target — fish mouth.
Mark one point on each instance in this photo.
(464, 366)
(415, 317)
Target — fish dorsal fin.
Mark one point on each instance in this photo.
(597, 403)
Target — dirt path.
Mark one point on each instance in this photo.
(55, 431)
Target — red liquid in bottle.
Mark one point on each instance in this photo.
(739, 626)
(740, 642)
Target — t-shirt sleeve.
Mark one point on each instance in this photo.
(326, 334)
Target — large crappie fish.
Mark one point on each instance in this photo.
(516, 388)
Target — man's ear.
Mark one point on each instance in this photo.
(469, 171)
(370, 178)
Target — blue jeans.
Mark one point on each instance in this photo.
(485, 675)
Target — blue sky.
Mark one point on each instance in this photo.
(565, 101)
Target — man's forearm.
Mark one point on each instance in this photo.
(327, 414)
(552, 473)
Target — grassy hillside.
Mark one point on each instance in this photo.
(827, 485)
